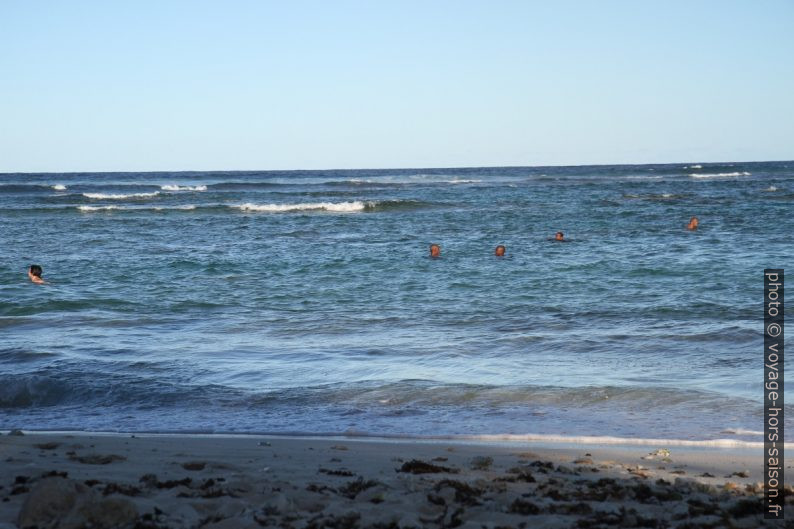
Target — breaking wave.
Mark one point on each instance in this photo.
(344, 207)
(719, 175)
(183, 188)
(111, 196)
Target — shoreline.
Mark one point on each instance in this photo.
(248, 480)
(548, 440)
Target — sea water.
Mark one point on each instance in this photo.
(305, 301)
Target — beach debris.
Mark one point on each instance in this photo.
(526, 455)
(319, 488)
(338, 447)
(522, 474)
(747, 507)
(583, 461)
(524, 507)
(47, 446)
(562, 469)
(741, 474)
(151, 481)
(701, 508)
(265, 443)
(639, 470)
(661, 453)
(439, 459)
(351, 489)
(416, 466)
(334, 472)
(544, 467)
(481, 463)
(372, 495)
(706, 475)
(348, 520)
(463, 492)
(16, 433)
(97, 459)
(758, 488)
(124, 490)
(194, 465)
(571, 509)
(55, 473)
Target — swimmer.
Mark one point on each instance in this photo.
(34, 273)
(559, 237)
(693, 224)
(435, 251)
(500, 251)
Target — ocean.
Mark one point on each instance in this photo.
(305, 301)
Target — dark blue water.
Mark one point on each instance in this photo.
(306, 302)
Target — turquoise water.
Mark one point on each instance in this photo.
(306, 301)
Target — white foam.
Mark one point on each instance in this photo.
(134, 208)
(59, 187)
(693, 167)
(716, 175)
(96, 208)
(604, 440)
(550, 439)
(183, 188)
(106, 196)
(188, 207)
(771, 188)
(462, 181)
(343, 207)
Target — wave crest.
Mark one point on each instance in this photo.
(188, 207)
(174, 187)
(718, 175)
(111, 196)
(342, 207)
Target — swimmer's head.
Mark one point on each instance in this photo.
(35, 270)
(435, 250)
(693, 223)
(500, 251)
(559, 236)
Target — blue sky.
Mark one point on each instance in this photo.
(178, 85)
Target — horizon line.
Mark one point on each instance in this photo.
(396, 168)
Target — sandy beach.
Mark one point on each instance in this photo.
(148, 481)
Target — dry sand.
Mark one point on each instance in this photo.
(148, 481)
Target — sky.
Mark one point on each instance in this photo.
(273, 85)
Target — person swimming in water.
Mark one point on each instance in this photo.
(435, 251)
(559, 237)
(34, 273)
(500, 251)
(693, 224)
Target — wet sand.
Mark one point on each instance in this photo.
(150, 481)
